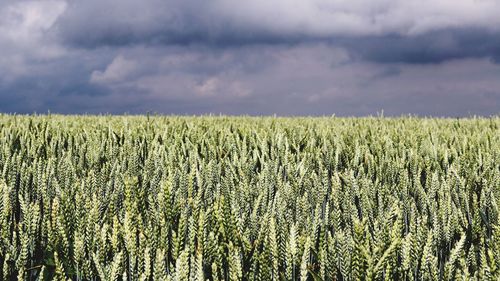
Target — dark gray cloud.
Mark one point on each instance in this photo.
(431, 47)
(382, 31)
(289, 57)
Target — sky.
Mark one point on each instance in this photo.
(258, 57)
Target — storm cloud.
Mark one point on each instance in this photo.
(289, 57)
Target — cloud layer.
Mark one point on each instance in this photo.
(287, 57)
(182, 21)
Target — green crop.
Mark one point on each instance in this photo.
(240, 198)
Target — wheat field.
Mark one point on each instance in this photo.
(247, 198)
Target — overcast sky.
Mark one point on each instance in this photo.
(258, 57)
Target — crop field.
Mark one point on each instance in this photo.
(247, 198)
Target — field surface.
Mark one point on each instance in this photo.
(226, 198)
